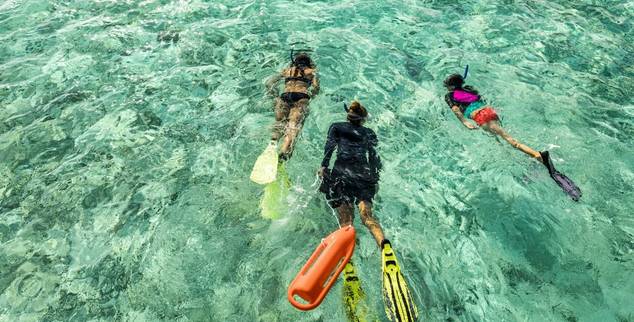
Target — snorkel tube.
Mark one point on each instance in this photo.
(293, 51)
(466, 72)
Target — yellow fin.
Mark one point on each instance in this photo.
(265, 168)
(399, 303)
(354, 302)
(273, 202)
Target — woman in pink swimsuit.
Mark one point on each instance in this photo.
(465, 103)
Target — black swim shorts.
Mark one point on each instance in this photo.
(340, 189)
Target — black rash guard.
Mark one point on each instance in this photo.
(357, 158)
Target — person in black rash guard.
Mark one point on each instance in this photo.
(355, 174)
(353, 180)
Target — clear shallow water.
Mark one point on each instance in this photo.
(128, 130)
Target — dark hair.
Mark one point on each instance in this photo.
(357, 113)
(302, 60)
(454, 80)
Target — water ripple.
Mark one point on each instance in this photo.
(128, 129)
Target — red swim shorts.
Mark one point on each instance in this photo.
(485, 115)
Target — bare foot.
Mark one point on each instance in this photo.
(284, 155)
(539, 158)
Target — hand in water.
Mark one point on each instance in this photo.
(471, 126)
(321, 171)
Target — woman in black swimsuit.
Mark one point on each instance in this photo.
(291, 108)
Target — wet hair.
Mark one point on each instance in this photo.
(302, 60)
(454, 80)
(357, 113)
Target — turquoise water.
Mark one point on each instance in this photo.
(128, 130)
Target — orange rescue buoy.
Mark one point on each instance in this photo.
(322, 269)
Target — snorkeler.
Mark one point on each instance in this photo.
(353, 180)
(291, 108)
(465, 102)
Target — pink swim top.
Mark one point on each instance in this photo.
(465, 97)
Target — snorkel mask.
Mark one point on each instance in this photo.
(456, 81)
(302, 54)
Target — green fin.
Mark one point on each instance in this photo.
(273, 202)
(354, 302)
(399, 303)
(265, 168)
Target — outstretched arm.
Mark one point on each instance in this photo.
(373, 157)
(331, 143)
(271, 83)
(315, 84)
(460, 116)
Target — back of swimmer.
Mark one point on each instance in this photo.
(291, 107)
(354, 177)
(466, 103)
(353, 181)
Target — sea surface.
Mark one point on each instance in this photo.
(128, 130)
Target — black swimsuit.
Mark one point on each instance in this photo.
(292, 97)
(355, 174)
(301, 79)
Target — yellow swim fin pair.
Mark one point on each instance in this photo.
(398, 300)
(270, 172)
